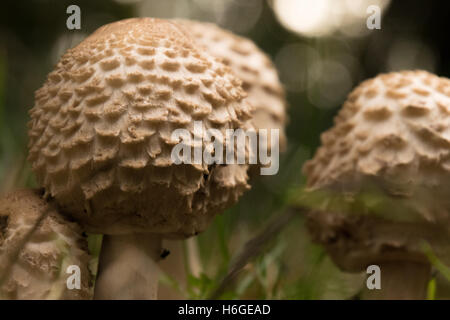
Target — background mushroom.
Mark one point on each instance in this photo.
(37, 245)
(100, 144)
(382, 176)
(264, 92)
(251, 65)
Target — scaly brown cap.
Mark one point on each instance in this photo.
(100, 130)
(388, 159)
(251, 65)
(37, 245)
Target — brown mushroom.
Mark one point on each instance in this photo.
(264, 92)
(382, 172)
(250, 64)
(101, 142)
(38, 247)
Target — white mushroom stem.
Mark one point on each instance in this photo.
(401, 280)
(195, 264)
(184, 259)
(128, 267)
(174, 266)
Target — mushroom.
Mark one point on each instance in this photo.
(101, 141)
(38, 248)
(251, 65)
(264, 92)
(382, 172)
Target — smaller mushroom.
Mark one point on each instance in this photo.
(251, 65)
(38, 247)
(383, 170)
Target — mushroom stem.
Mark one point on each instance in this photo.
(401, 280)
(128, 267)
(178, 265)
(194, 261)
(174, 266)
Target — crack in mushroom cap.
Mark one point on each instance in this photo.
(37, 244)
(100, 130)
(391, 137)
(251, 65)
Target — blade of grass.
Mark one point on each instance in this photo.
(254, 247)
(435, 261)
(431, 289)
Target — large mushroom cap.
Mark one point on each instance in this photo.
(37, 245)
(391, 137)
(100, 130)
(251, 65)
